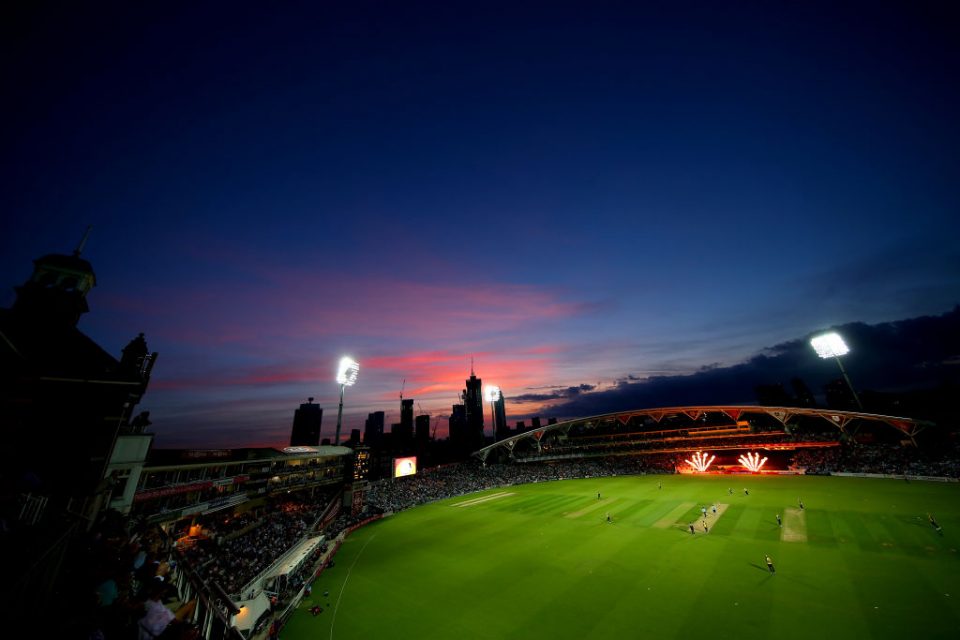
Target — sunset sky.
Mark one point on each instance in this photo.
(571, 194)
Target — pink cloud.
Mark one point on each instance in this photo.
(268, 336)
(435, 377)
(292, 305)
(252, 376)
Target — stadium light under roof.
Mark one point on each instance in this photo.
(829, 345)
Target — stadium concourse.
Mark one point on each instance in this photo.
(254, 565)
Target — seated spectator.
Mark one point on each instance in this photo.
(158, 618)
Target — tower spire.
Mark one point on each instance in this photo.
(83, 241)
(471, 366)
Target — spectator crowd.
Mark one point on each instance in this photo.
(459, 479)
(885, 458)
(232, 550)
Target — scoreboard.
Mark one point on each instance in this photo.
(404, 466)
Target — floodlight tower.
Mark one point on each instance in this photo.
(492, 394)
(831, 345)
(346, 377)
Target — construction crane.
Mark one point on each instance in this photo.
(402, 387)
(420, 409)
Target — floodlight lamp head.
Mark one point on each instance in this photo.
(829, 345)
(348, 371)
(492, 393)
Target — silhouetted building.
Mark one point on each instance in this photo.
(500, 418)
(473, 406)
(534, 423)
(306, 425)
(551, 421)
(423, 429)
(373, 429)
(458, 428)
(406, 412)
(65, 407)
(63, 399)
(403, 432)
(354, 438)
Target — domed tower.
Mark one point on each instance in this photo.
(56, 293)
(64, 400)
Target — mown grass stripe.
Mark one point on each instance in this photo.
(672, 517)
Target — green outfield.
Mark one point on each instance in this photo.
(541, 561)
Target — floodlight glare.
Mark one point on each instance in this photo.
(346, 377)
(829, 345)
(492, 395)
(348, 371)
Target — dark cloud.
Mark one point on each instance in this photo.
(894, 356)
(912, 276)
(564, 393)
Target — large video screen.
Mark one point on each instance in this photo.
(404, 466)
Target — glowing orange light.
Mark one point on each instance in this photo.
(700, 462)
(752, 461)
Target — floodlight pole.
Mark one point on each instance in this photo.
(831, 344)
(493, 395)
(336, 440)
(849, 384)
(346, 376)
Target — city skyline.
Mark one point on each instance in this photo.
(580, 199)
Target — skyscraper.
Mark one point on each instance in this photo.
(458, 428)
(373, 429)
(402, 432)
(406, 414)
(473, 406)
(500, 417)
(306, 425)
(422, 429)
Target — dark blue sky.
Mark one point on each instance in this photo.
(570, 193)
